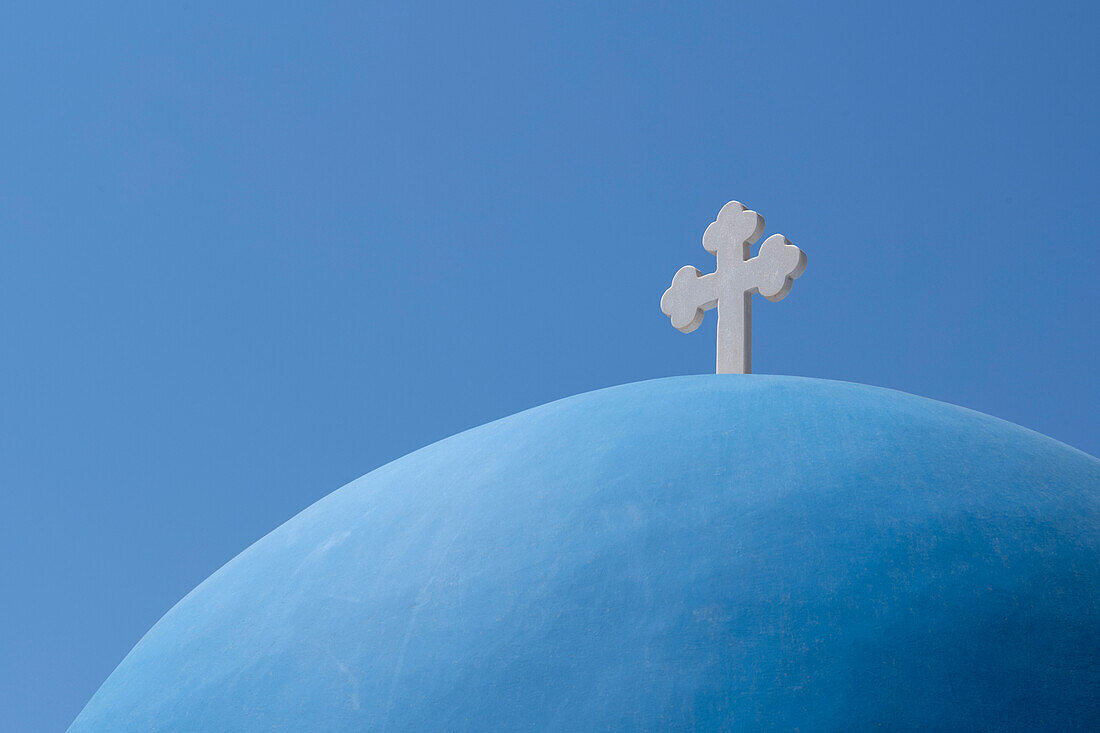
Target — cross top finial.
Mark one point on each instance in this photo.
(730, 287)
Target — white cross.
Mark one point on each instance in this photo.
(730, 287)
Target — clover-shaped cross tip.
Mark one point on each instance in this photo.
(734, 226)
(782, 262)
(690, 294)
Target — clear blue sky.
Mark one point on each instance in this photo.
(249, 252)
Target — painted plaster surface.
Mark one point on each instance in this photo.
(694, 553)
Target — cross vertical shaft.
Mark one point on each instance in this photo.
(734, 347)
(734, 335)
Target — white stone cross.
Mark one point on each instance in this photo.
(730, 287)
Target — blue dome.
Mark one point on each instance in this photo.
(712, 552)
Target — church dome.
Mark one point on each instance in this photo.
(707, 552)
